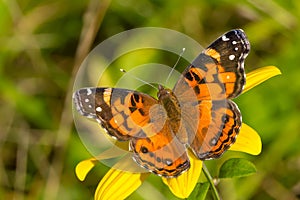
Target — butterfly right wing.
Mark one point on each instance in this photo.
(215, 77)
(218, 127)
(122, 113)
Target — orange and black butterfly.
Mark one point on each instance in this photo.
(197, 114)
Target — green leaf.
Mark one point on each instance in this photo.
(236, 167)
(200, 191)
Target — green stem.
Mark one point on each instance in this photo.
(210, 180)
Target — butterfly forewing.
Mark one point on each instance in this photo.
(122, 113)
(229, 52)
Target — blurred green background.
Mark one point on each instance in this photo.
(44, 42)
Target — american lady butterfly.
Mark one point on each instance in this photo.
(197, 114)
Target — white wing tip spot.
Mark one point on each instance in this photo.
(236, 48)
(89, 91)
(98, 109)
(234, 42)
(224, 38)
(86, 100)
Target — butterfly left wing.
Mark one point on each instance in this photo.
(134, 116)
(214, 77)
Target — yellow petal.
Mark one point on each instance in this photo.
(118, 184)
(183, 185)
(248, 141)
(260, 75)
(83, 168)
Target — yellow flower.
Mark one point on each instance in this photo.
(118, 184)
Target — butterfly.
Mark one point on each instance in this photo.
(198, 114)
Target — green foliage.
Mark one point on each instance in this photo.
(200, 191)
(39, 56)
(236, 167)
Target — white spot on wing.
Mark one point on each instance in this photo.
(86, 100)
(228, 77)
(89, 91)
(231, 57)
(114, 137)
(224, 38)
(234, 42)
(99, 109)
(236, 48)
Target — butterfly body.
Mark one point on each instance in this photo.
(171, 107)
(197, 114)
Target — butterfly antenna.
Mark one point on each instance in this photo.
(124, 71)
(183, 50)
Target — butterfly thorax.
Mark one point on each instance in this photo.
(171, 106)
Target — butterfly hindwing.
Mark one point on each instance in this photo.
(218, 126)
(162, 153)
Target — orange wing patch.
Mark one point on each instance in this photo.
(206, 82)
(213, 53)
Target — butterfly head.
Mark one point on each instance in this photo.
(168, 100)
(163, 92)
